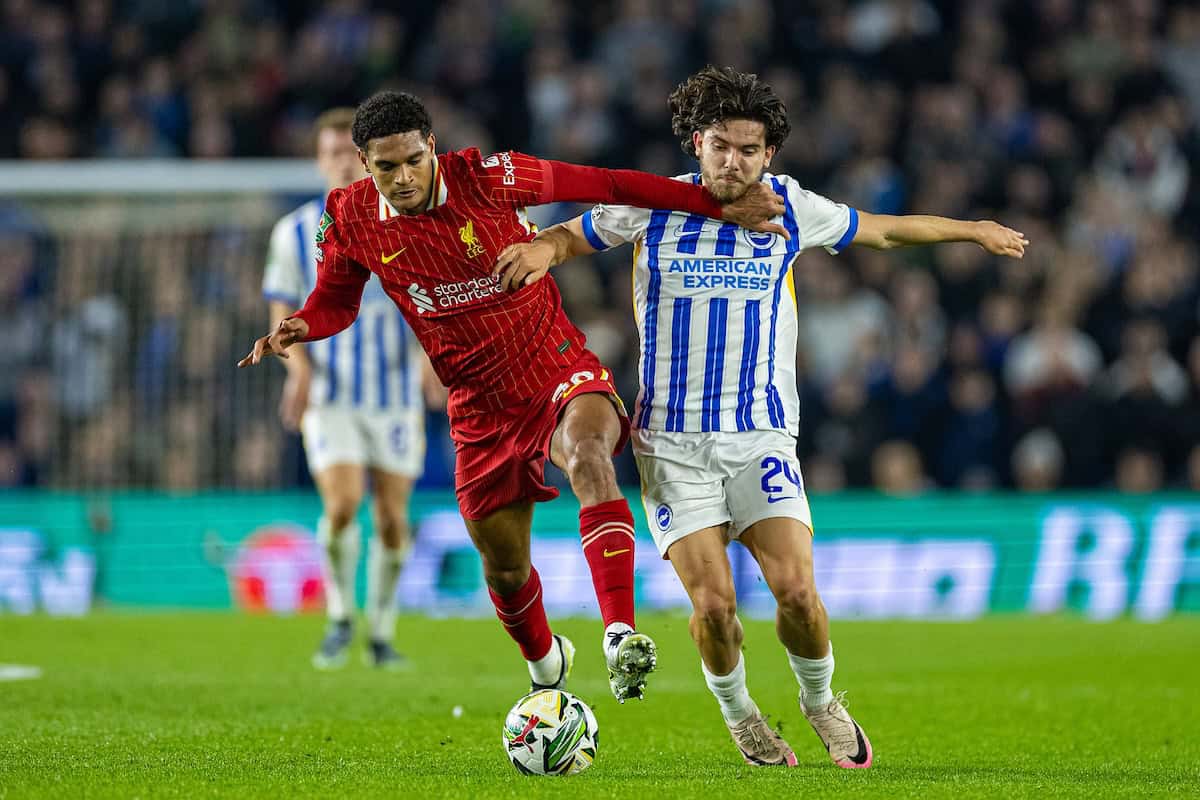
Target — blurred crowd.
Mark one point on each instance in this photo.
(1077, 123)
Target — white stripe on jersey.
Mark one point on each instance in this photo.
(716, 310)
(375, 363)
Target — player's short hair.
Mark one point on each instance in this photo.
(387, 113)
(716, 94)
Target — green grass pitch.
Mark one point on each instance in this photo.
(195, 705)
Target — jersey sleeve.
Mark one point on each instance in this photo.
(822, 222)
(510, 179)
(283, 278)
(607, 226)
(333, 304)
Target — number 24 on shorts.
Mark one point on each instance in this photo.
(773, 467)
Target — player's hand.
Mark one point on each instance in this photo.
(294, 399)
(755, 209)
(290, 331)
(999, 240)
(522, 264)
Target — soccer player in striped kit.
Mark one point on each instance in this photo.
(523, 387)
(357, 398)
(718, 411)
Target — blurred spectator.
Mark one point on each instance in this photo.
(1037, 461)
(834, 316)
(1139, 471)
(896, 469)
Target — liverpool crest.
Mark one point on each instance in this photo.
(467, 234)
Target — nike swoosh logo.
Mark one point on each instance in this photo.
(611, 553)
(388, 259)
(773, 499)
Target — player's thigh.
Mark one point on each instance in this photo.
(680, 493)
(765, 480)
(390, 493)
(701, 560)
(502, 538)
(395, 442)
(783, 548)
(341, 487)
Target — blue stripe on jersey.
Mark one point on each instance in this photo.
(690, 234)
(303, 249)
(774, 403)
(358, 371)
(714, 364)
(681, 329)
(744, 417)
(654, 235)
(589, 232)
(381, 356)
(402, 343)
(726, 239)
(848, 236)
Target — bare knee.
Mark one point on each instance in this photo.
(589, 467)
(341, 510)
(391, 523)
(715, 611)
(799, 600)
(506, 581)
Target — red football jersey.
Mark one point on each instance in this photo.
(493, 349)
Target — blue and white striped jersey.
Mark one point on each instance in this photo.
(716, 309)
(375, 364)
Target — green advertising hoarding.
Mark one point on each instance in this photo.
(931, 557)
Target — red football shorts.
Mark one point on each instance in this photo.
(501, 456)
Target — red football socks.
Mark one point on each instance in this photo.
(608, 544)
(524, 617)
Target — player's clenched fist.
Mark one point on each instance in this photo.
(290, 331)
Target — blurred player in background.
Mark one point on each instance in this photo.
(718, 412)
(357, 398)
(523, 387)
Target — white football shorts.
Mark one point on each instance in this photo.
(393, 442)
(692, 481)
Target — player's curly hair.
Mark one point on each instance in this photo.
(716, 94)
(386, 113)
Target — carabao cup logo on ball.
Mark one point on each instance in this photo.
(662, 515)
(277, 569)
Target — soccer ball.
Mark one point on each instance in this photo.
(549, 732)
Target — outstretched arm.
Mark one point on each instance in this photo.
(579, 184)
(885, 231)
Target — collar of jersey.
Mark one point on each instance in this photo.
(437, 197)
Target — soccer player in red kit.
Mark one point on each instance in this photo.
(522, 385)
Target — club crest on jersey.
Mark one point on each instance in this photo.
(322, 226)
(467, 234)
(759, 240)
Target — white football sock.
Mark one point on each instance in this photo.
(546, 669)
(815, 676)
(383, 570)
(616, 627)
(731, 693)
(340, 562)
